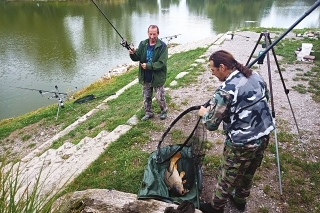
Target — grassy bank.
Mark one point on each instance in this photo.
(121, 166)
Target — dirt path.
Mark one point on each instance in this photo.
(303, 107)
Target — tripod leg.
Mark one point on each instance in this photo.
(278, 161)
(58, 112)
(284, 86)
(72, 108)
(273, 113)
(254, 49)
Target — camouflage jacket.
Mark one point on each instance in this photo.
(241, 103)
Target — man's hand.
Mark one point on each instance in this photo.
(132, 51)
(144, 66)
(202, 110)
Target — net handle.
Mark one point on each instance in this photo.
(171, 125)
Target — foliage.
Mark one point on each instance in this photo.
(15, 197)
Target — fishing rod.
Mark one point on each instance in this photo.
(123, 43)
(170, 37)
(60, 96)
(314, 6)
(42, 92)
(261, 56)
(241, 35)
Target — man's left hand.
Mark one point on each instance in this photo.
(144, 66)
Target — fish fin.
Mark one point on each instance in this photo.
(182, 174)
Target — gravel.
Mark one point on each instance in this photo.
(287, 108)
(305, 110)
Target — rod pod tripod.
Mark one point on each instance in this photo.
(61, 97)
(267, 41)
(262, 55)
(265, 52)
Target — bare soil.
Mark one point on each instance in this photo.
(304, 109)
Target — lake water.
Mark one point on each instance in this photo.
(71, 44)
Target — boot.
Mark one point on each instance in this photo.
(207, 208)
(240, 206)
(163, 115)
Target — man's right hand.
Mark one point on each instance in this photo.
(202, 110)
(132, 51)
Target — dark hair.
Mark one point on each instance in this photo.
(226, 58)
(153, 26)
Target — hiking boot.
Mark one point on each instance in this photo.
(163, 115)
(147, 117)
(207, 208)
(240, 206)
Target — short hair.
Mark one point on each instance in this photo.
(153, 27)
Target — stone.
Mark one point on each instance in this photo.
(200, 60)
(105, 201)
(174, 83)
(181, 75)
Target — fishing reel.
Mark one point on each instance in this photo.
(125, 44)
(60, 100)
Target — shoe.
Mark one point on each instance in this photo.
(240, 206)
(147, 117)
(170, 209)
(186, 207)
(163, 115)
(207, 208)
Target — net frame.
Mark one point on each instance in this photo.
(191, 140)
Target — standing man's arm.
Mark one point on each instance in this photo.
(135, 54)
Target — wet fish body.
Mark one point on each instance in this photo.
(173, 179)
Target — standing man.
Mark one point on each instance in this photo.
(241, 104)
(152, 54)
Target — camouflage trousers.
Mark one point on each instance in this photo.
(237, 168)
(147, 92)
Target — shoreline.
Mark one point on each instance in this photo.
(201, 91)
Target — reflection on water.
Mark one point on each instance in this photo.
(70, 44)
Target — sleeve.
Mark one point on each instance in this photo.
(218, 108)
(267, 92)
(137, 54)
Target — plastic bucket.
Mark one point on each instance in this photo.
(306, 49)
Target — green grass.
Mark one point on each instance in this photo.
(286, 48)
(121, 165)
(263, 210)
(16, 198)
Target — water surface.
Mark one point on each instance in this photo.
(70, 44)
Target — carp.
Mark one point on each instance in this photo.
(173, 179)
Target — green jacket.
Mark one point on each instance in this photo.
(158, 65)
